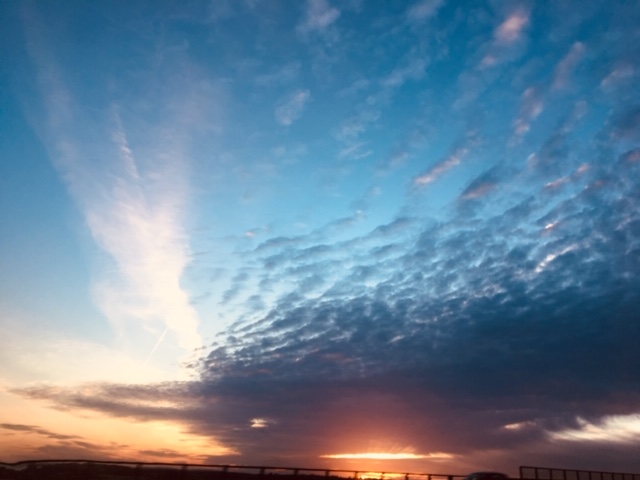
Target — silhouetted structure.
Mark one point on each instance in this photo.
(112, 470)
(544, 473)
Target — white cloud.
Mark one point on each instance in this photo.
(531, 107)
(618, 75)
(413, 70)
(319, 16)
(291, 108)
(567, 65)
(552, 256)
(134, 217)
(442, 167)
(280, 76)
(423, 10)
(510, 30)
(143, 233)
(508, 40)
(611, 429)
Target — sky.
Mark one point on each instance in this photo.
(395, 236)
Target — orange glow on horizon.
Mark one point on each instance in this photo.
(36, 431)
(386, 456)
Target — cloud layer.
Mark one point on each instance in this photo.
(414, 233)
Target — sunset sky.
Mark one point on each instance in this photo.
(301, 233)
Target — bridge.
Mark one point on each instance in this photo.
(74, 469)
(112, 470)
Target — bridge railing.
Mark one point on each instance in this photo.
(542, 473)
(123, 469)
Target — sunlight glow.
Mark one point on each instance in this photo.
(387, 456)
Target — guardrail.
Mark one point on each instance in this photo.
(96, 469)
(541, 473)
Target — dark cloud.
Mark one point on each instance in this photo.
(482, 185)
(509, 327)
(491, 337)
(36, 430)
(626, 125)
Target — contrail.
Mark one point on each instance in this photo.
(156, 345)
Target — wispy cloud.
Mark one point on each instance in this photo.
(423, 10)
(620, 74)
(280, 76)
(567, 65)
(135, 215)
(481, 186)
(16, 427)
(442, 167)
(610, 429)
(144, 235)
(508, 38)
(512, 28)
(291, 108)
(531, 107)
(414, 69)
(319, 15)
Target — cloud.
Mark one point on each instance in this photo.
(531, 107)
(626, 124)
(319, 15)
(512, 28)
(355, 151)
(609, 429)
(469, 329)
(441, 167)
(280, 76)
(36, 430)
(619, 75)
(356, 125)
(503, 331)
(423, 10)
(567, 65)
(145, 237)
(481, 186)
(134, 210)
(508, 40)
(490, 324)
(291, 108)
(414, 69)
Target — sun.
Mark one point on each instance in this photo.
(385, 456)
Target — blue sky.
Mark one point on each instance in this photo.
(277, 231)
